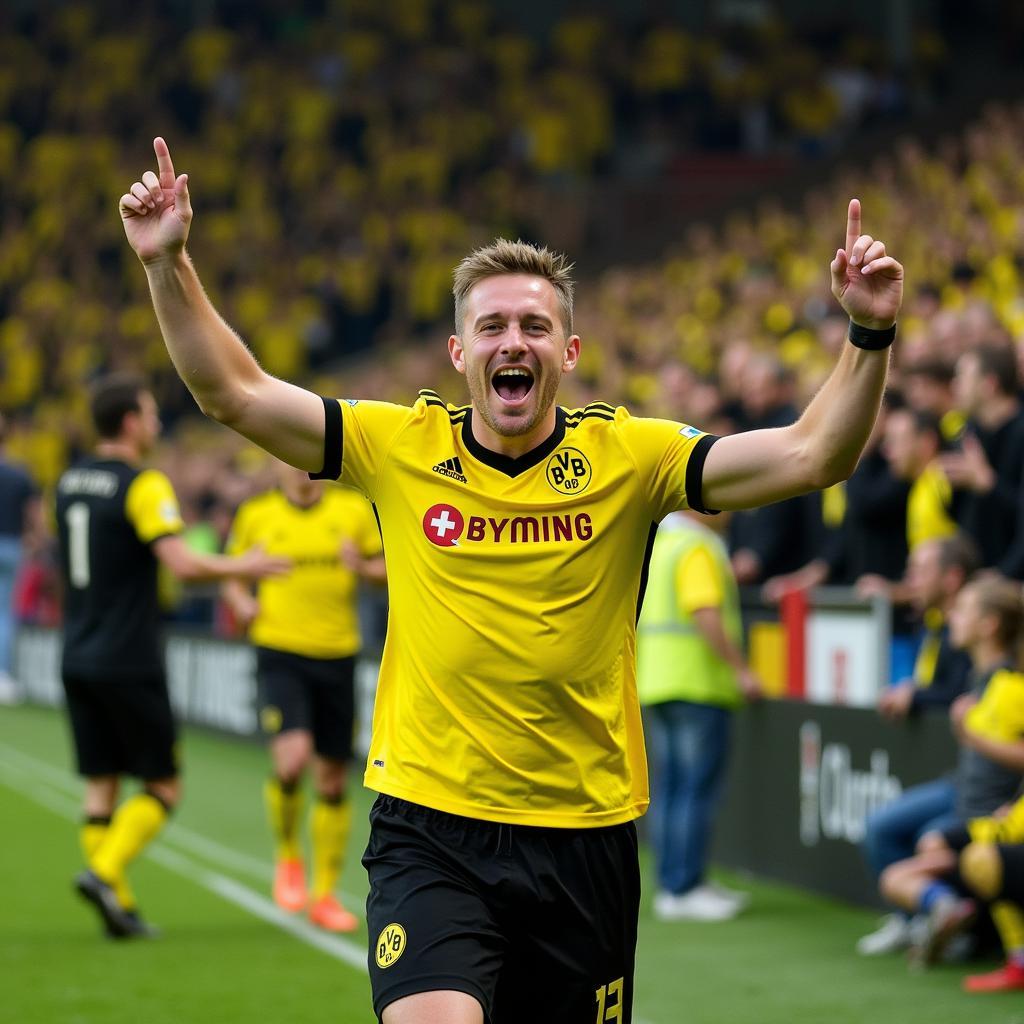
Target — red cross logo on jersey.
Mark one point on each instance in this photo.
(443, 525)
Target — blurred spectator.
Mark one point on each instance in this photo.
(927, 385)
(989, 467)
(988, 722)
(19, 512)
(913, 441)
(691, 676)
(936, 572)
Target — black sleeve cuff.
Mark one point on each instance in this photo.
(695, 475)
(332, 441)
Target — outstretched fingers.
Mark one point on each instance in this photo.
(164, 163)
(852, 225)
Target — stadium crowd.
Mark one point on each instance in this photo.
(734, 329)
(381, 141)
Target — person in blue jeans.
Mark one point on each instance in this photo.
(691, 676)
(988, 722)
(18, 508)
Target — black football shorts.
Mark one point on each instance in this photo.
(538, 924)
(313, 694)
(122, 726)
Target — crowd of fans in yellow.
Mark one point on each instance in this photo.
(349, 156)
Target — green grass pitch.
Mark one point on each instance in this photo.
(227, 956)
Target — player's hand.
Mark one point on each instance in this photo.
(255, 564)
(245, 608)
(156, 211)
(351, 556)
(867, 282)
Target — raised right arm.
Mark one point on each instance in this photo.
(215, 364)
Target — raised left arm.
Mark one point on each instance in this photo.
(763, 466)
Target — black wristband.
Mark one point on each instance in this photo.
(873, 341)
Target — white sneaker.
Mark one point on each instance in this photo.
(737, 896)
(892, 935)
(699, 904)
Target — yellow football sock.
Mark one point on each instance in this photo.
(134, 825)
(330, 823)
(91, 837)
(284, 807)
(1009, 922)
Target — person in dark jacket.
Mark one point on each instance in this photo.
(988, 468)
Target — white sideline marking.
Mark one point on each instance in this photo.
(220, 885)
(179, 835)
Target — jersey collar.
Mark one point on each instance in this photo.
(506, 463)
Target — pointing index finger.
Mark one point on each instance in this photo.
(163, 162)
(852, 224)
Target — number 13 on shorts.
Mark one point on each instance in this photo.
(609, 1002)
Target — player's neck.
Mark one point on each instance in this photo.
(303, 501)
(125, 451)
(514, 445)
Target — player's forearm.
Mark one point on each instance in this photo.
(202, 568)
(210, 358)
(836, 425)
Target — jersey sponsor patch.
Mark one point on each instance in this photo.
(351, 402)
(690, 432)
(391, 945)
(448, 527)
(568, 471)
(443, 525)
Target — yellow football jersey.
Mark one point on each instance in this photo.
(507, 689)
(999, 713)
(311, 610)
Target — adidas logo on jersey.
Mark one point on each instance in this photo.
(451, 468)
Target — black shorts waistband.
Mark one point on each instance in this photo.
(388, 806)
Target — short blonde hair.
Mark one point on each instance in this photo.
(519, 257)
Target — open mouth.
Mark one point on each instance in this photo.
(512, 384)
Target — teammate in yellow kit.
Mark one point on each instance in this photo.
(306, 630)
(507, 748)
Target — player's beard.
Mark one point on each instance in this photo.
(545, 390)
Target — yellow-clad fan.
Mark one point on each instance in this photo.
(977, 853)
(305, 627)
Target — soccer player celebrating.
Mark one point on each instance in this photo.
(507, 747)
(306, 630)
(116, 521)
